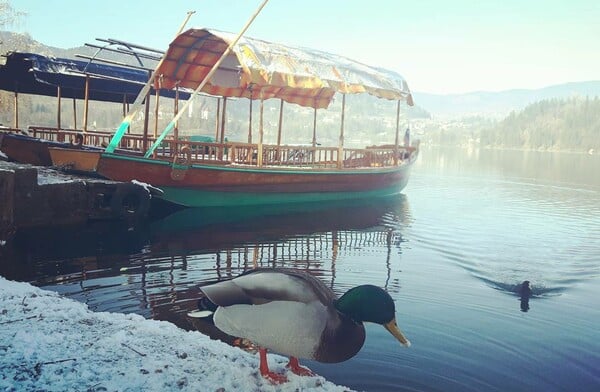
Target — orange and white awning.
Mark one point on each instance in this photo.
(258, 69)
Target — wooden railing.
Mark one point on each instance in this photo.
(285, 156)
(299, 156)
(10, 130)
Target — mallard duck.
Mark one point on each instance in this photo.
(293, 313)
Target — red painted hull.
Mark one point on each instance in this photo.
(237, 178)
(228, 185)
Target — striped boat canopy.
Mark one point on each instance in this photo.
(258, 69)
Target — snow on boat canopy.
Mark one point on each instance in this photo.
(258, 69)
(32, 73)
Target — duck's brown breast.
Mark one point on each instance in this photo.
(342, 339)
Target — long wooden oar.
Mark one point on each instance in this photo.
(171, 125)
(138, 103)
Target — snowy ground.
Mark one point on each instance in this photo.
(52, 343)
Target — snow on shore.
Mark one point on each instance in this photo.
(52, 343)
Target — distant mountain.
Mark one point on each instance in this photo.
(23, 42)
(499, 104)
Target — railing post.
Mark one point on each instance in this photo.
(397, 141)
(314, 136)
(58, 96)
(250, 123)
(86, 103)
(175, 112)
(222, 135)
(259, 158)
(341, 142)
(16, 114)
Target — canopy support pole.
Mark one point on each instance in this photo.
(74, 114)
(16, 115)
(314, 136)
(156, 109)
(176, 112)
(397, 140)
(279, 126)
(206, 79)
(86, 102)
(250, 123)
(217, 123)
(146, 119)
(223, 121)
(341, 142)
(58, 97)
(259, 158)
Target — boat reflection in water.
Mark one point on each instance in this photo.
(155, 269)
(310, 237)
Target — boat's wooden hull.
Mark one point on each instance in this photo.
(222, 185)
(27, 149)
(85, 161)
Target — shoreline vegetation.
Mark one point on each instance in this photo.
(553, 125)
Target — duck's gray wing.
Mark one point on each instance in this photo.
(259, 286)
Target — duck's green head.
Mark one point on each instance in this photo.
(373, 304)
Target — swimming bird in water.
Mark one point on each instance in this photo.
(524, 292)
(293, 313)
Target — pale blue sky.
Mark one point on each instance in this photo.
(437, 45)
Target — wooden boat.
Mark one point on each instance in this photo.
(31, 73)
(200, 174)
(26, 149)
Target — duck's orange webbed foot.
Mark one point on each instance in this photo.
(274, 378)
(295, 367)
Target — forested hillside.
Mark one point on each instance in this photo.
(554, 124)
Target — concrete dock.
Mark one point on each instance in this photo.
(34, 196)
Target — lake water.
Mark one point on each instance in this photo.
(470, 227)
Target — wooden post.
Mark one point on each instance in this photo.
(86, 103)
(16, 115)
(74, 114)
(397, 141)
(217, 119)
(175, 112)
(259, 158)
(223, 120)
(146, 121)
(222, 135)
(250, 123)
(341, 142)
(58, 96)
(156, 106)
(314, 137)
(280, 124)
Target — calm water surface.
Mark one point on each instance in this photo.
(452, 251)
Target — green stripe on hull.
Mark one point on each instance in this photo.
(196, 198)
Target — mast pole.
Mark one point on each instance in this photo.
(139, 101)
(206, 79)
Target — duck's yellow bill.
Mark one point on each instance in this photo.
(392, 328)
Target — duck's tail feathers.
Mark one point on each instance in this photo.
(206, 308)
(200, 314)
